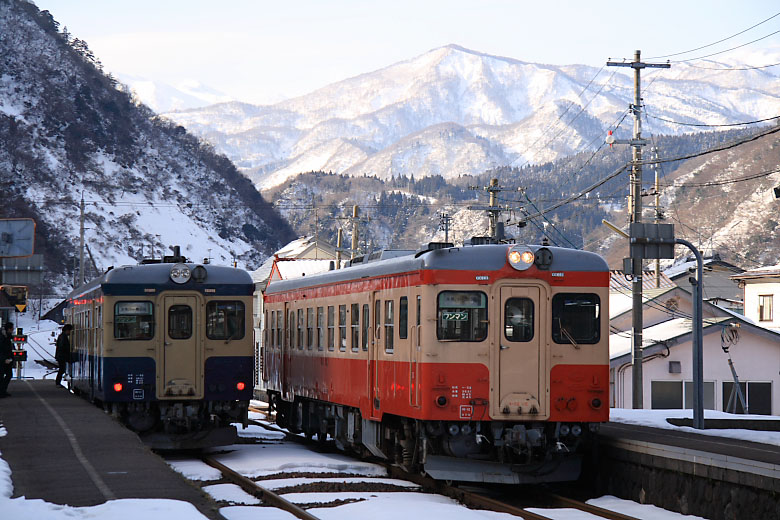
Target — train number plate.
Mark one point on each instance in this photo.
(138, 393)
(466, 411)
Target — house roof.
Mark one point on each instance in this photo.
(299, 267)
(772, 271)
(680, 269)
(294, 249)
(620, 343)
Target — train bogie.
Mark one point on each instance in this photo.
(457, 361)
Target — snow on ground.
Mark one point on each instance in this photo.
(657, 419)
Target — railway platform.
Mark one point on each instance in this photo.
(689, 472)
(64, 450)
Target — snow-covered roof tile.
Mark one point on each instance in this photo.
(620, 343)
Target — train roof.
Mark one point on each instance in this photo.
(490, 257)
(142, 278)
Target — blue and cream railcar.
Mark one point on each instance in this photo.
(167, 348)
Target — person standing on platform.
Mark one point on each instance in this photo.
(62, 354)
(6, 357)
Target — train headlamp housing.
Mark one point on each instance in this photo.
(520, 257)
(180, 273)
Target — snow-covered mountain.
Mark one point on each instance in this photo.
(162, 97)
(69, 132)
(452, 111)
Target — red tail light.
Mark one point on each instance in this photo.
(117, 387)
(240, 385)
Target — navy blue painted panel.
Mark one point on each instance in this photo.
(222, 374)
(137, 375)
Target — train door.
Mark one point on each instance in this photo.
(373, 349)
(520, 359)
(415, 308)
(287, 347)
(182, 360)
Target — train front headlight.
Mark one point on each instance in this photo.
(180, 273)
(520, 257)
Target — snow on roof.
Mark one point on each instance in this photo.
(771, 270)
(262, 273)
(618, 281)
(622, 301)
(303, 267)
(620, 343)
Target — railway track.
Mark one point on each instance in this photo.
(469, 498)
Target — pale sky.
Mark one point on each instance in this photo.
(263, 51)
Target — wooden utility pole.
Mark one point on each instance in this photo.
(635, 195)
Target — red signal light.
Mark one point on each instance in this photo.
(240, 385)
(117, 387)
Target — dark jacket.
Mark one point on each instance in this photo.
(62, 354)
(6, 347)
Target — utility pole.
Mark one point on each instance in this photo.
(635, 195)
(81, 244)
(444, 223)
(493, 209)
(355, 228)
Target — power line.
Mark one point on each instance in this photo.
(729, 50)
(757, 67)
(720, 125)
(717, 42)
(724, 182)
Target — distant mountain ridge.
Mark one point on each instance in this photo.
(499, 111)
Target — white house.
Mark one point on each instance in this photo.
(754, 351)
(760, 290)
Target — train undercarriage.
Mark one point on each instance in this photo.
(468, 451)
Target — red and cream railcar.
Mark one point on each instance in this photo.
(475, 363)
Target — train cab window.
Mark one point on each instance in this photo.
(575, 318)
(389, 326)
(342, 327)
(180, 322)
(331, 327)
(366, 327)
(133, 320)
(309, 328)
(403, 317)
(519, 319)
(225, 320)
(462, 316)
(354, 320)
(320, 328)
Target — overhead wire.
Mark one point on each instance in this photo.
(717, 42)
(713, 125)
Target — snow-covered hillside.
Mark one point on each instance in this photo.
(70, 132)
(497, 111)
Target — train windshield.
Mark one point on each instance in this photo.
(575, 318)
(462, 316)
(225, 320)
(133, 320)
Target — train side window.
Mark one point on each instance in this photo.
(519, 319)
(310, 328)
(355, 326)
(377, 319)
(342, 327)
(462, 316)
(419, 308)
(403, 317)
(300, 329)
(132, 320)
(366, 327)
(180, 322)
(266, 334)
(331, 327)
(291, 330)
(389, 326)
(320, 328)
(225, 320)
(575, 318)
